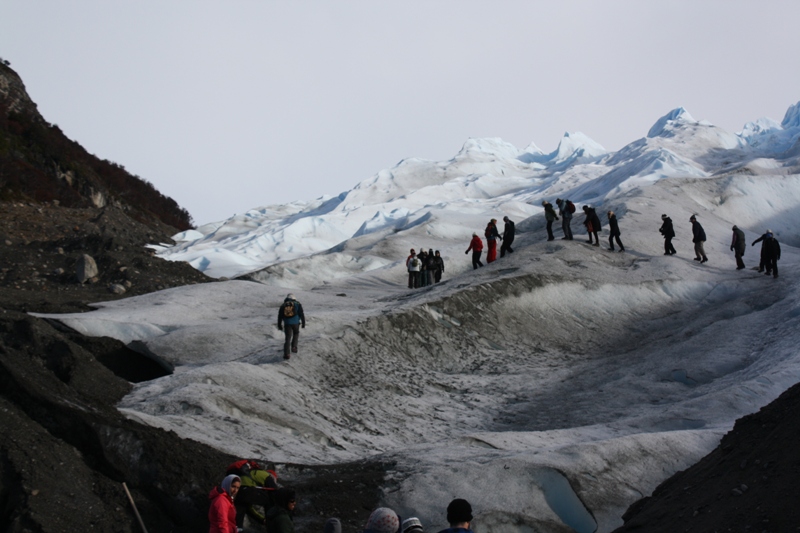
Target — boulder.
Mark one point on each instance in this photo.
(116, 288)
(86, 268)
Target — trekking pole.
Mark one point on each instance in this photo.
(133, 504)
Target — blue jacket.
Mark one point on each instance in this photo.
(296, 319)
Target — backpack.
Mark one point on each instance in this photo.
(288, 309)
(242, 467)
(570, 206)
(415, 263)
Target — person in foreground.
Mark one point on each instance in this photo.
(279, 516)
(459, 516)
(290, 316)
(221, 512)
(382, 520)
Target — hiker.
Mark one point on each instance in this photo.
(290, 317)
(413, 264)
(221, 512)
(423, 274)
(698, 238)
(279, 516)
(257, 489)
(332, 525)
(738, 246)
(592, 223)
(382, 520)
(668, 232)
(565, 209)
(439, 268)
(411, 525)
(508, 236)
(770, 253)
(430, 266)
(459, 516)
(762, 240)
(613, 227)
(550, 216)
(476, 245)
(491, 235)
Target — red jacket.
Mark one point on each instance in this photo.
(475, 244)
(221, 512)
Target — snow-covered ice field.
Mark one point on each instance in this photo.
(552, 388)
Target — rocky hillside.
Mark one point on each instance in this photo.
(64, 448)
(747, 484)
(39, 163)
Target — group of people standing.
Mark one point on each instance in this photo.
(385, 520)
(424, 269)
(247, 489)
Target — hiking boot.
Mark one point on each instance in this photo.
(697, 259)
(286, 356)
(704, 260)
(776, 275)
(294, 349)
(596, 244)
(621, 250)
(667, 253)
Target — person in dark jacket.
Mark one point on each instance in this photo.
(279, 516)
(221, 512)
(566, 218)
(491, 235)
(738, 246)
(423, 268)
(290, 318)
(698, 238)
(459, 516)
(476, 245)
(439, 267)
(430, 266)
(592, 223)
(549, 216)
(762, 265)
(508, 236)
(770, 252)
(613, 227)
(668, 232)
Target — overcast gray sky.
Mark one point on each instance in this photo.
(230, 105)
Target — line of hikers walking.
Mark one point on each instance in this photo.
(770, 247)
(426, 269)
(249, 489)
(492, 235)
